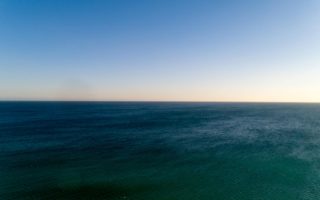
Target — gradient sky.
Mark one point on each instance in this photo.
(175, 50)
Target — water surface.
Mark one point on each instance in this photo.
(159, 151)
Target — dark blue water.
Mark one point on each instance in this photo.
(159, 151)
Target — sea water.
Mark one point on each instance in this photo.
(159, 151)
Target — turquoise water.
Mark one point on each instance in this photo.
(159, 151)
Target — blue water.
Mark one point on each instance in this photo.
(159, 151)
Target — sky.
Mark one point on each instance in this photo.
(160, 50)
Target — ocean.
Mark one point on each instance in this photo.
(159, 151)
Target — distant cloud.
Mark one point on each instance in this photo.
(75, 89)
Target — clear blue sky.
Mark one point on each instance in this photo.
(200, 50)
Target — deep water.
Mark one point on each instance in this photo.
(159, 151)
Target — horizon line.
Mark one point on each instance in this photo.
(155, 101)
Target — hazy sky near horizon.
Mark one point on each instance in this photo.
(178, 50)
